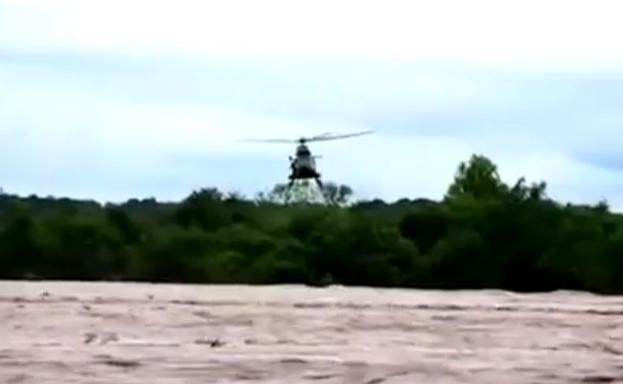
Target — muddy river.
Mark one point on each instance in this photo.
(58, 332)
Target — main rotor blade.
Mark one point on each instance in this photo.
(319, 136)
(322, 137)
(337, 137)
(270, 141)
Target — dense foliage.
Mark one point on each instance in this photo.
(483, 234)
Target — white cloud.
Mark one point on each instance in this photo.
(563, 33)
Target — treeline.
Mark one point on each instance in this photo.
(482, 234)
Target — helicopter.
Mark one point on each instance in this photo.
(303, 163)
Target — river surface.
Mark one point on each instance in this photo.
(58, 332)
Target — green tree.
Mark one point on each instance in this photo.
(426, 225)
(20, 253)
(204, 208)
(483, 234)
(477, 178)
(174, 254)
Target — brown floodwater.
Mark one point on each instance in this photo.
(61, 332)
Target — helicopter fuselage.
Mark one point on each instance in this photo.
(303, 166)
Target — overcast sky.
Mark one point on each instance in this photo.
(116, 99)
